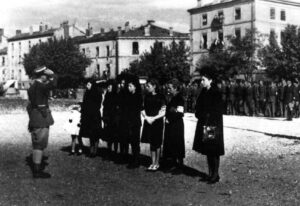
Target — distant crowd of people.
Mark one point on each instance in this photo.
(262, 98)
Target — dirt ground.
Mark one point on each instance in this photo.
(261, 167)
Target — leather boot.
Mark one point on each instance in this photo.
(38, 173)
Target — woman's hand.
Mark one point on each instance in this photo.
(150, 120)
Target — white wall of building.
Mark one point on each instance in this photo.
(16, 51)
(262, 22)
(105, 59)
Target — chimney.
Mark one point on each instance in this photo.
(147, 30)
(119, 31)
(18, 32)
(41, 27)
(127, 26)
(102, 31)
(171, 31)
(150, 22)
(46, 27)
(65, 26)
(91, 31)
(30, 30)
(199, 3)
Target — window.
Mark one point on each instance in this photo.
(97, 51)
(20, 59)
(237, 14)
(237, 33)
(29, 44)
(204, 19)
(272, 32)
(83, 50)
(40, 41)
(221, 16)
(204, 38)
(220, 36)
(12, 46)
(107, 51)
(3, 61)
(98, 69)
(20, 46)
(135, 48)
(160, 45)
(272, 13)
(282, 15)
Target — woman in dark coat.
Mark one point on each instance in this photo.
(110, 116)
(209, 113)
(154, 111)
(91, 117)
(174, 147)
(133, 108)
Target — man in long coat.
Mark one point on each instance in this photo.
(40, 118)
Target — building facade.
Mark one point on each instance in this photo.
(112, 52)
(221, 18)
(21, 43)
(3, 56)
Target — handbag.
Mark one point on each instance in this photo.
(209, 132)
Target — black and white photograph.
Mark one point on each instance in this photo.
(150, 103)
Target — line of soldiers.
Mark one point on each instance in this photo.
(262, 98)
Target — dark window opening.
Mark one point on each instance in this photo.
(204, 19)
(204, 37)
(135, 48)
(272, 13)
(238, 14)
(282, 15)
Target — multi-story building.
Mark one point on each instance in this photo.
(3, 56)
(111, 52)
(221, 18)
(21, 43)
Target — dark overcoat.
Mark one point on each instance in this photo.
(209, 112)
(90, 114)
(110, 117)
(133, 108)
(174, 129)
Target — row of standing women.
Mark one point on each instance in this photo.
(162, 125)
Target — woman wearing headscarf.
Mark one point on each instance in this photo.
(209, 138)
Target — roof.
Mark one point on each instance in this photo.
(155, 32)
(106, 36)
(217, 4)
(3, 51)
(37, 34)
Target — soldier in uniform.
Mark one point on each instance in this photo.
(40, 118)
(289, 99)
(271, 99)
(296, 99)
(280, 97)
(231, 98)
(262, 97)
(249, 102)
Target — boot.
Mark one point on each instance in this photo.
(38, 173)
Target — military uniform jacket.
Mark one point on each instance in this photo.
(38, 107)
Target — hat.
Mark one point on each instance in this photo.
(39, 70)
